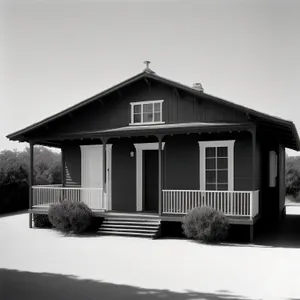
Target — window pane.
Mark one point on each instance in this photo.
(147, 117)
(210, 152)
(137, 118)
(157, 107)
(210, 187)
(156, 117)
(222, 163)
(222, 152)
(148, 108)
(137, 108)
(210, 163)
(210, 176)
(223, 176)
(222, 187)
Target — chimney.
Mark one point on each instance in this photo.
(198, 86)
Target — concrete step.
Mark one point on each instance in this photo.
(133, 219)
(121, 233)
(128, 229)
(129, 226)
(131, 222)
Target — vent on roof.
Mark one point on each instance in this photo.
(198, 86)
(147, 69)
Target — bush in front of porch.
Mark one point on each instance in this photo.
(70, 217)
(41, 221)
(206, 225)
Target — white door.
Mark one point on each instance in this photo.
(92, 174)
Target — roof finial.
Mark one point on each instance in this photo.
(147, 69)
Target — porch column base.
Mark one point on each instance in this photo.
(30, 220)
(251, 233)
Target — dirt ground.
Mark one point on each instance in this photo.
(43, 264)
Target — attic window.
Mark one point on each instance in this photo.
(146, 112)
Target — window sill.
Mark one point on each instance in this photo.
(146, 123)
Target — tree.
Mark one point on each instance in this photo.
(14, 169)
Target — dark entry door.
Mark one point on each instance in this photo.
(151, 180)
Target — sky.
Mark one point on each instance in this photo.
(56, 53)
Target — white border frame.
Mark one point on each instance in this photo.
(139, 170)
(132, 104)
(226, 143)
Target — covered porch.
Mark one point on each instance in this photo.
(175, 203)
(172, 200)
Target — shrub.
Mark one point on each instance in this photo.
(41, 221)
(68, 216)
(205, 224)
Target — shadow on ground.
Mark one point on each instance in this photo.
(16, 285)
(286, 235)
(13, 213)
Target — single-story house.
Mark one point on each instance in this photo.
(149, 149)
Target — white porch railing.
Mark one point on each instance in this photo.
(231, 203)
(44, 195)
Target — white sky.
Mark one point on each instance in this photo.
(56, 53)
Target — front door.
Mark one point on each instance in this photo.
(150, 180)
(92, 174)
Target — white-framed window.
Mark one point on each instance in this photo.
(217, 165)
(146, 112)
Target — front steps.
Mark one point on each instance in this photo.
(139, 226)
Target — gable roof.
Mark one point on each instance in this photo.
(263, 118)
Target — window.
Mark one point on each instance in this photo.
(147, 112)
(216, 165)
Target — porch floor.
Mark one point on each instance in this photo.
(44, 208)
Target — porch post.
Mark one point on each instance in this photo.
(253, 132)
(104, 141)
(30, 181)
(63, 170)
(160, 137)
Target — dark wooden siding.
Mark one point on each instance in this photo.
(123, 176)
(243, 163)
(181, 160)
(72, 157)
(181, 157)
(281, 179)
(114, 111)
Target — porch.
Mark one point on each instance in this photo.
(236, 205)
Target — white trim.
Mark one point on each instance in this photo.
(147, 102)
(148, 123)
(142, 103)
(139, 170)
(227, 143)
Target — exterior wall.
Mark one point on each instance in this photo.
(181, 162)
(243, 162)
(272, 198)
(72, 173)
(181, 155)
(114, 111)
(281, 180)
(123, 176)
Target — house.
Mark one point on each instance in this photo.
(146, 151)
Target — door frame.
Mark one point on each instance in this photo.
(139, 171)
